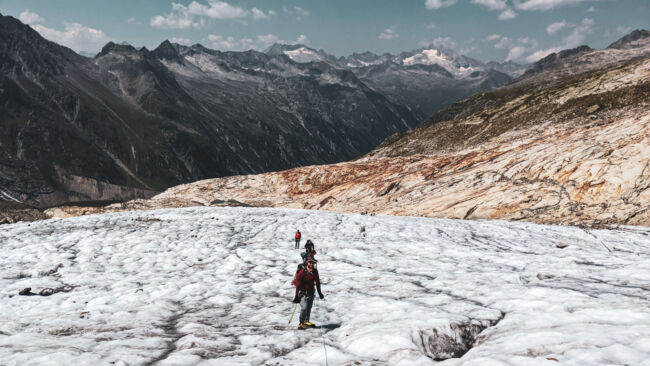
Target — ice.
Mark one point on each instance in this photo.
(212, 286)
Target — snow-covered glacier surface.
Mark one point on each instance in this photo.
(212, 286)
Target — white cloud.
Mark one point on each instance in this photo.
(196, 13)
(493, 37)
(591, 9)
(29, 17)
(516, 53)
(258, 14)
(131, 20)
(518, 48)
(231, 44)
(176, 21)
(579, 34)
(556, 27)
(215, 10)
(507, 14)
(544, 5)
(444, 42)
(183, 41)
(223, 43)
(527, 41)
(301, 12)
(247, 44)
(267, 39)
(540, 54)
(574, 39)
(76, 36)
(497, 5)
(437, 4)
(302, 39)
(389, 33)
(503, 43)
(297, 11)
(492, 4)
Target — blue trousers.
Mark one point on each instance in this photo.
(305, 307)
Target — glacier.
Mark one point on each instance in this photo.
(211, 286)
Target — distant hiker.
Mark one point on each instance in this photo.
(305, 281)
(298, 236)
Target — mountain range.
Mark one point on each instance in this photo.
(567, 143)
(130, 122)
(424, 80)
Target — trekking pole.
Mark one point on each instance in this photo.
(293, 312)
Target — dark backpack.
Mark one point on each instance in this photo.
(309, 246)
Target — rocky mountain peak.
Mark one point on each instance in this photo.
(167, 51)
(631, 40)
(14, 31)
(279, 48)
(299, 53)
(582, 59)
(116, 48)
(197, 47)
(24, 49)
(556, 61)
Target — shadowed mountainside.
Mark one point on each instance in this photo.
(128, 123)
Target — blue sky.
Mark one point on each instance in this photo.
(518, 30)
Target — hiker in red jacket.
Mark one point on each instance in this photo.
(298, 236)
(305, 280)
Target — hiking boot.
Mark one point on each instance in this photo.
(302, 326)
(309, 324)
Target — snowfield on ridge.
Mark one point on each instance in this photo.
(212, 286)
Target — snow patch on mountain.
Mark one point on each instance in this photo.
(427, 57)
(436, 57)
(361, 63)
(206, 63)
(303, 55)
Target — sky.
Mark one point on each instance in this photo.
(500, 30)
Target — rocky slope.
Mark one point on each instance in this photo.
(572, 151)
(54, 118)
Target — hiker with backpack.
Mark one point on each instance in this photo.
(309, 251)
(307, 281)
(298, 236)
(308, 254)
